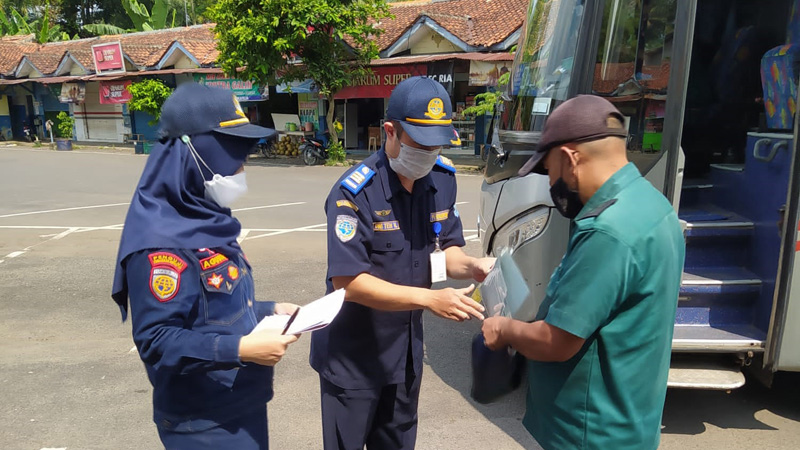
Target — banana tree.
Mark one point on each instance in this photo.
(143, 20)
(16, 23)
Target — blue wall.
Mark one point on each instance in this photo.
(140, 126)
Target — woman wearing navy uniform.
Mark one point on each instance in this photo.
(190, 286)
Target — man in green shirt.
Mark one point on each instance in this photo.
(599, 348)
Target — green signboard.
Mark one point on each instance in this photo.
(246, 91)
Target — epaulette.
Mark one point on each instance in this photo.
(445, 163)
(358, 179)
(599, 210)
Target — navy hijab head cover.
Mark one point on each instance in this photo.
(169, 209)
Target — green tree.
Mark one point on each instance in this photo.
(148, 96)
(143, 20)
(39, 21)
(263, 39)
(486, 101)
(74, 14)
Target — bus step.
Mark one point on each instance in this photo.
(703, 373)
(718, 339)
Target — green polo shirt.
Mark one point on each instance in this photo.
(617, 288)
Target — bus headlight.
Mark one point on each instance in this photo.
(521, 229)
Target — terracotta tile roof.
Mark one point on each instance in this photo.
(145, 49)
(12, 51)
(479, 23)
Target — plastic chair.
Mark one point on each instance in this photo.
(373, 144)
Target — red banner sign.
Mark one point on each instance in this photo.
(108, 58)
(114, 92)
(382, 81)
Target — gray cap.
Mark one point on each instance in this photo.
(580, 119)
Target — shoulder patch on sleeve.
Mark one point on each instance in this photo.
(347, 204)
(165, 275)
(346, 226)
(600, 209)
(445, 163)
(358, 178)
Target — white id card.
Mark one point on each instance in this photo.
(438, 266)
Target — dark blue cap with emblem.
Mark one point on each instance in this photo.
(195, 108)
(424, 109)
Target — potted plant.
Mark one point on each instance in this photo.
(65, 126)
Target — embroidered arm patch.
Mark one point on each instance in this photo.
(165, 275)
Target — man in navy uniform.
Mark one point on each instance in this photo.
(393, 229)
(190, 286)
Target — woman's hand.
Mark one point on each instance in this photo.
(265, 347)
(285, 308)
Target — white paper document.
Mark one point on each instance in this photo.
(313, 316)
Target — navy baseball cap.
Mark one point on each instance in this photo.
(195, 108)
(580, 119)
(424, 109)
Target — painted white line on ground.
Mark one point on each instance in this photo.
(287, 231)
(64, 233)
(32, 227)
(108, 227)
(469, 238)
(461, 203)
(268, 206)
(15, 254)
(243, 235)
(63, 209)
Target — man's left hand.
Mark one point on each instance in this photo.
(481, 268)
(492, 329)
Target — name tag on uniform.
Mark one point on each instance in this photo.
(438, 266)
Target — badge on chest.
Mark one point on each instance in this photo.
(219, 274)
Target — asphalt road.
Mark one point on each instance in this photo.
(71, 379)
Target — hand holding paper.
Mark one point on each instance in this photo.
(317, 314)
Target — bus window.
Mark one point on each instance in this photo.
(543, 64)
(632, 69)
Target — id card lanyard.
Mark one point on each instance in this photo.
(438, 259)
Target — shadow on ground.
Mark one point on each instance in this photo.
(687, 412)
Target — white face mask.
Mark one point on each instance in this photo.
(224, 191)
(412, 162)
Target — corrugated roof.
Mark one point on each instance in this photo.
(470, 56)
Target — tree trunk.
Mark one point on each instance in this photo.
(329, 119)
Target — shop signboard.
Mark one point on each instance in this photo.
(381, 82)
(72, 93)
(108, 58)
(297, 87)
(485, 73)
(442, 71)
(114, 92)
(246, 91)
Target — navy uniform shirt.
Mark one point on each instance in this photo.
(189, 310)
(377, 227)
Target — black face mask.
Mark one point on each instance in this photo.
(567, 201)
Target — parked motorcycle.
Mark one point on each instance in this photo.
(314, 150)
(26, 130)
(266, 145)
